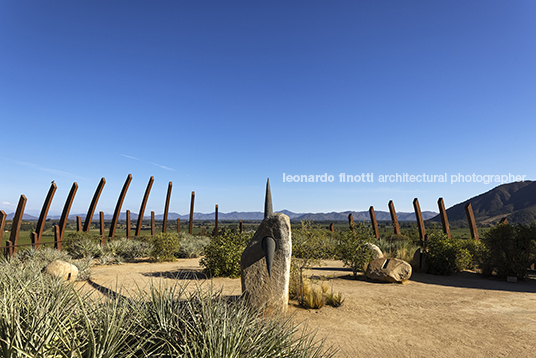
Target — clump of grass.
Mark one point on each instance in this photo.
(311, 294)
(192, 246)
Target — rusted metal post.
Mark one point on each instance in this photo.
(2, 224)
(93, 205)
(394, 218)
(17, 220)
(471, 220)
(128, 224)
(216, 221)
(351, 222)
(10, 248)
(43, 214)
(331, 228)
(152, 223)
(192, 213)
(166, 207)
(142, 207)
(241, 226)
(178, 226)
(65, 213)
(101, 219)
(78, 223)
(374, 222)
(444, 218)
(203, 231)
(418, 215)
(57, 237)
(115, 218)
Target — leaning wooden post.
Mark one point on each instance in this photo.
(216, 221)
(65, 214)
(418, 215)
(444, 218)
(374, 222)
(43, 215)
(471, 220)
(166, 207)
(331, 228)
(57, 237)
(351, 222)
(118, 206)
(192, 213)
(128, 224)
(203, 231)
(2, 224)
(179, 226)
(152, 223)
(78, 223)
(143, 203)
(93, 205)
(241, 226)
(394, 219)
(101, 219)
(15, 227)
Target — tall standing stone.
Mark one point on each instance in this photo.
(265, 263)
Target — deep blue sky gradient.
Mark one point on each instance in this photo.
(217, 96)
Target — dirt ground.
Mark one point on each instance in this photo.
(462, 315)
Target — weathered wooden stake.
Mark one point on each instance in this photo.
(43, 215)
(57, 237)
(331, 228)
(101, 219)
(152, 223)
(128, 224)
(2, 224)
(203, 231)
(394, 218)
(444, 218)
(115, 218)
(17, 220)
(166, 207)
(241, 226)
(178, 226)
(65, 213)
(351, 222)
(418, 215)
(93, 205)
(374, 222)
(78, 223)
(216, 221)
(143, 203)
(192, 213)
(471, 220)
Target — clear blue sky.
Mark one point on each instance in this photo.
(217, 96)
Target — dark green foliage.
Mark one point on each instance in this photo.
(352, 248)
(165, 247)
(222, 255)
(509, 250)
(446, 256)
(81, 244)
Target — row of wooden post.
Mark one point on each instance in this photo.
(420, 222)
(59, 230)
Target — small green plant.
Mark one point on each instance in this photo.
(192, 246)
(222, 254)
(165, 247)
(353, 249)
(445, 256)
(334, 299)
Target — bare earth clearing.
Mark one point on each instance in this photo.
(463, 315)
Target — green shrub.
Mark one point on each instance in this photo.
(509, 250)
(81, 244)
(352, 247)
(398, 249)
(192, 246)
(165, 247)
(445, 256)
(222, 254)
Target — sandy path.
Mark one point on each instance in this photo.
(462, 315)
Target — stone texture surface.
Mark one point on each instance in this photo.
(262, 290)
(388, 270)
(62, 269)
(376, 252)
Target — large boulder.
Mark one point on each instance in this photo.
(388, 270)
(265, 272)
(62, 269)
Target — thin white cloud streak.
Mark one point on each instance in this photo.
(50, 170)
(144, 161)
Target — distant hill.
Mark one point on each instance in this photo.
(515, 201)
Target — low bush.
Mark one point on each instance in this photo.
(352, 248)
(445, 256)
(192, 246)
(509, 250)
(223, 253)
(165, 247)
